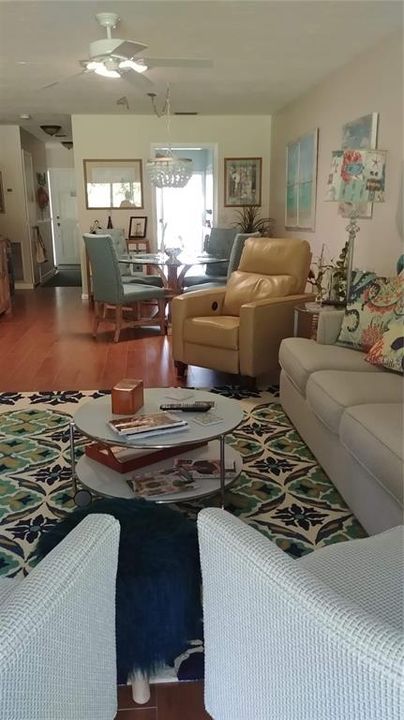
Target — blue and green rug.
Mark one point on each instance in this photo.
(281, 491)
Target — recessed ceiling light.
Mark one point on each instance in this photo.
(25, 116)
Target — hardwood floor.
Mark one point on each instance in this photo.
(171, 701)
(46, 344)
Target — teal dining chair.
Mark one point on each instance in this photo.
(111, 293)
(127, 274)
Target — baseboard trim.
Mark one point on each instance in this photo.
(19, 285)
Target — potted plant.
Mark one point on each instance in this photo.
(329, 278)
(249, 220)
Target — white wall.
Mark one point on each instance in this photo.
(58, 156)
(371, 83)
(13, 222)
(131, 137)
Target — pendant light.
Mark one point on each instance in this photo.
(168, 170)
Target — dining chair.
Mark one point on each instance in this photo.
(111, 293)
(121, 247)
(219, 244)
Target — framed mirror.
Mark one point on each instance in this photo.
(113, 184)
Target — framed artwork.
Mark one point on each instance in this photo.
(360, 133)
(2, 207)
(242, 181)
(137, 227)
(301, 182)
(357, 176)
(113, 184)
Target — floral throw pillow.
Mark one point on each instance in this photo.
(374, 303)
(388, 352)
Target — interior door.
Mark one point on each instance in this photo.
(31, 210)
(64, 216)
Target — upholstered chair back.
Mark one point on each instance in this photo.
(118, 239)
(269, 267)
(107, 282)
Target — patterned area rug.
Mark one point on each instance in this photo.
(282, 491)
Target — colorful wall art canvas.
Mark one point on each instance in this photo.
(301, 180)
(360, 133)
(357, 176)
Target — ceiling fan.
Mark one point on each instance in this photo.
(114, 57)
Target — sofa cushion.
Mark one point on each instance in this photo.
(330, 392)
(369, 572)
(243, 287)
(373, 434)
(374, 302)
(220, 332)
(300, 357)
(388, 352)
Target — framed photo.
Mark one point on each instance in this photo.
(113, 184)
(360, 134)
(242, 181)
(137, 227)
(301, 182)
(2, 207)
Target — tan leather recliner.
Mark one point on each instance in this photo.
(238, 328)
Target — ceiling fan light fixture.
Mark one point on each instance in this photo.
(51, 129)
(138, 66)
(101, 69)
(67, 144)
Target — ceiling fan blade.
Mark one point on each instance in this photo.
(63, 80)
(178, 62)
(137, 80)
(128, 49)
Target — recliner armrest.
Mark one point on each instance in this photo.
(198, 304)
(263, 324)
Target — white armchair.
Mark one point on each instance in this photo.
(318, 638)
(57, 630)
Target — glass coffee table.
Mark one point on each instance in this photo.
(91, 419)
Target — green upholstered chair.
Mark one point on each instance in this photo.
(117, 236)
(232, 265)
(110, 292)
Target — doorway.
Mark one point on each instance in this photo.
(65, 230)
(187, 213)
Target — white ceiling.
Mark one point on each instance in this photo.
(265, 53)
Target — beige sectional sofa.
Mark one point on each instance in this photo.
(350, 414)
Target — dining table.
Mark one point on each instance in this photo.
(171, 269)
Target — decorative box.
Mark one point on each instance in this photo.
(125, 459)
(127, 397)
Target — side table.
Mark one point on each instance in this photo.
(306, 319)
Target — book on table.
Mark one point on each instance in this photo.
(164, 482)
(147, 425)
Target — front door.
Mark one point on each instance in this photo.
(64, 216)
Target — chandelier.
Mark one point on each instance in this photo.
(168, 170)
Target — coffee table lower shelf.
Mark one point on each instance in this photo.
(102, 480)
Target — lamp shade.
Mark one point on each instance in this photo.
(357, 176)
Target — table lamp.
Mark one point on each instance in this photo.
(357, 176)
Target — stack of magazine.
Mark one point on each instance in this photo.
(147, 425)
(186, 474)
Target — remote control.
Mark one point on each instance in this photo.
(197, 406)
